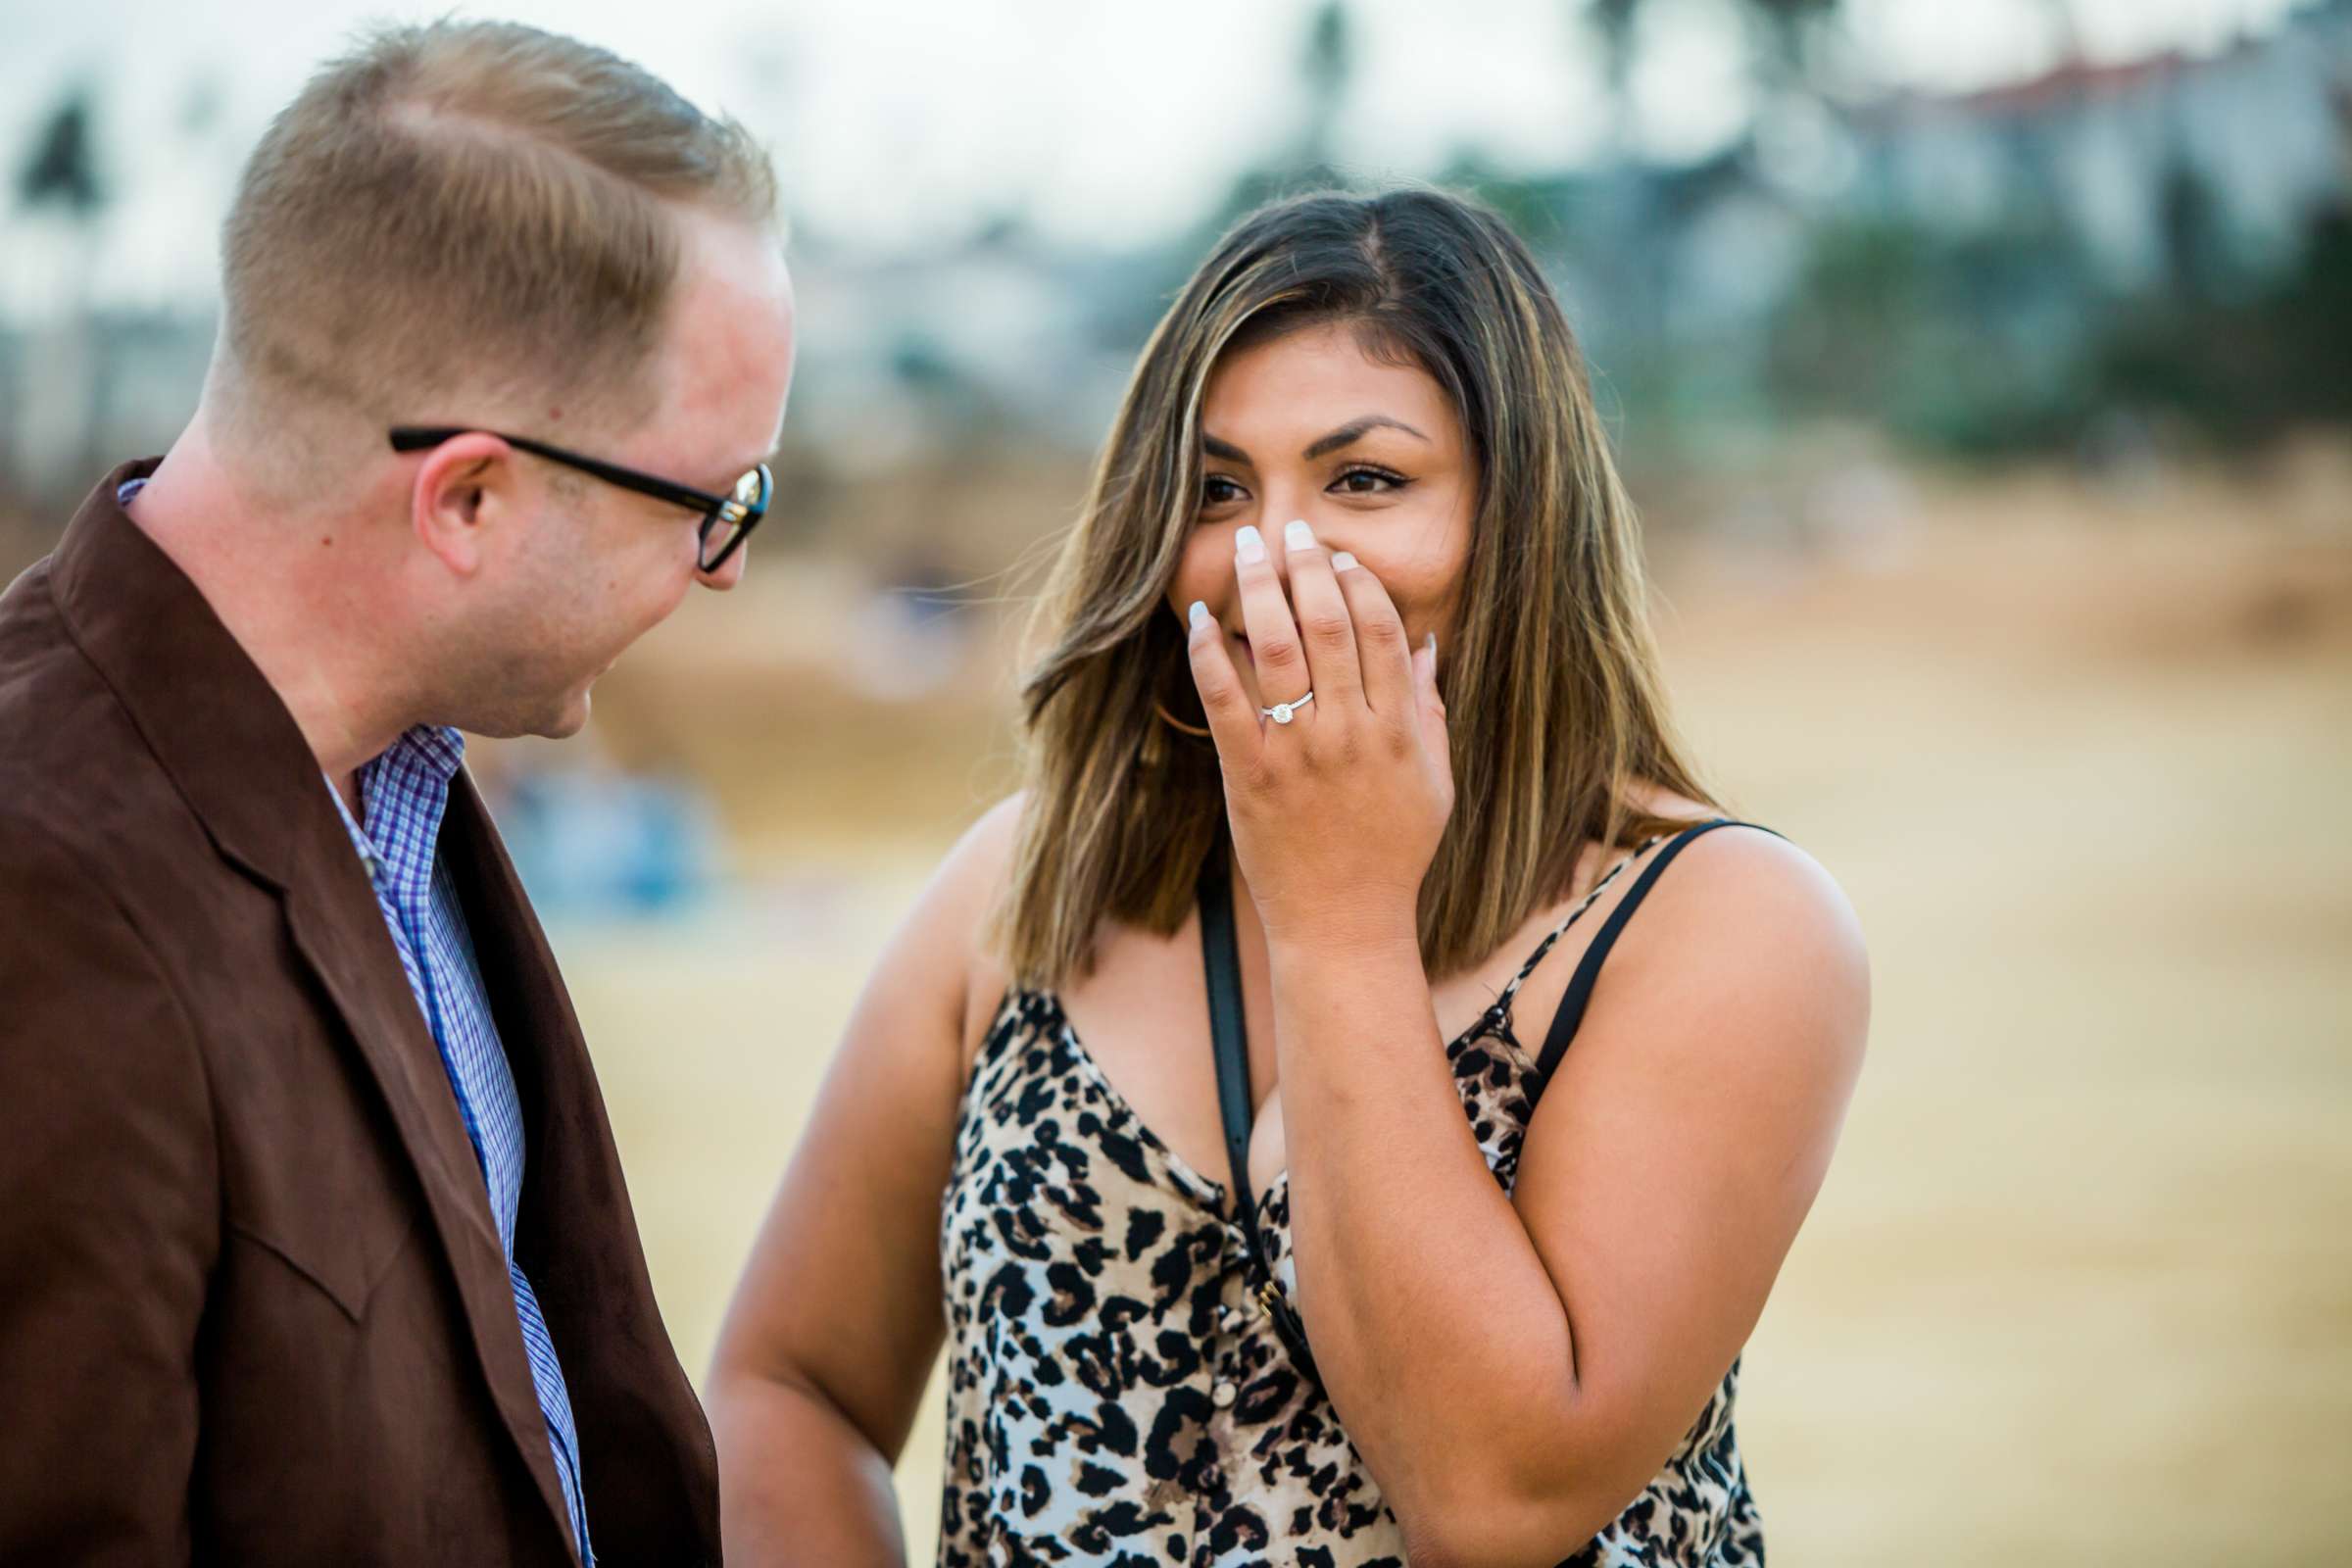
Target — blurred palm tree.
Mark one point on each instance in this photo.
(1788, 33)
(1785, 52)
(54, 433)
(1783, 29)
(1613, 19)
(1788, 28)
(62, 170)
(1326, 65)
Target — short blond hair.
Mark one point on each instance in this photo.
(462, 207)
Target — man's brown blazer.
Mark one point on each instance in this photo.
(252, 1306)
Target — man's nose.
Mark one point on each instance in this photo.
(730, 571)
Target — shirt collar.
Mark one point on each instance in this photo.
(403, 792)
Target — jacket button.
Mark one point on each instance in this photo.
(1222, 1396)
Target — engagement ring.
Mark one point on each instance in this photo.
(1281, 712)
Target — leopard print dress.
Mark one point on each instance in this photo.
(1114, 1396)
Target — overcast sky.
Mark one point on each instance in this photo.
(900, 123)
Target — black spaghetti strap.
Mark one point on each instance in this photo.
(1220, 955)
(1580, 987)
(1229, 1034)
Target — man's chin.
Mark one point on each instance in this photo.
(569, 719)
(556, 723)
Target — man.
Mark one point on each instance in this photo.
(315, 1247)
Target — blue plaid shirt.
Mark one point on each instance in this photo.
(403, 794)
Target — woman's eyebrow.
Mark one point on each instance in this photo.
(1223, 448)
(1354, 430)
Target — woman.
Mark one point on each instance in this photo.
(1488, 1304)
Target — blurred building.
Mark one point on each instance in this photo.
(1841, 258)
(2102, 150)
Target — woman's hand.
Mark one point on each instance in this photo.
(1338, 812)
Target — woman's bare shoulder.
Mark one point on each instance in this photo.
(1748, 900)
(973, 873)
(1776, 930)
(961, 903)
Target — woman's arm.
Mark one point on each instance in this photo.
(827, 1345)
(1585, 1321)
(1514, 1372)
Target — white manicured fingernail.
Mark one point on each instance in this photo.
(1199, 614)
(1247, 546)
(1433, 648)
(1297, 535)
(1343, 561)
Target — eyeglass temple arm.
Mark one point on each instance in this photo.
(419, 438)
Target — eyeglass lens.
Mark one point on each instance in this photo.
(722, 529)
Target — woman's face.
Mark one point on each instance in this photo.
(1369, 454)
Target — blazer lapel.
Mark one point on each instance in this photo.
(646, 1456)
(340, 932)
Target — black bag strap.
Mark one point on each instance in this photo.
(1229, 1029)
(1580, 987)
(1229, 1035)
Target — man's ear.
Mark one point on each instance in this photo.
(464, 486)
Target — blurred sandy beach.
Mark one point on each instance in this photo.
(2080, 1287)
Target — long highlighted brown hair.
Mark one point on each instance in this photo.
(1550, 677)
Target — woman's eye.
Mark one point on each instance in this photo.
(1368, 481)
(1216, 490)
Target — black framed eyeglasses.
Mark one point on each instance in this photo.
(728, 521)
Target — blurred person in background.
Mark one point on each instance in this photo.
(1216, 1101)
(317, 1247)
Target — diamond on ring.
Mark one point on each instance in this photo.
(1281, 712)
